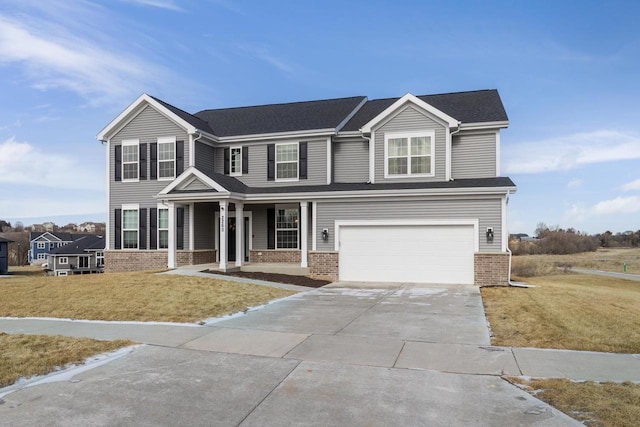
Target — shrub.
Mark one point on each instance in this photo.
(533, 267)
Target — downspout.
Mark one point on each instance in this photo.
(193, 150)
(451, 148)
(368, 138)
(508, 250)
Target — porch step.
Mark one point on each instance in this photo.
(276, 267)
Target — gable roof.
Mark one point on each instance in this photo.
(468, 107)
(276, 118)
(80, 246)
(63, 236)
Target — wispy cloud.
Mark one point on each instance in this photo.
(161, 4)
(616, 206)
(22, 163)
(631, 186)
(570, 151)
(575, 183)
(264, 54)
(74, 57)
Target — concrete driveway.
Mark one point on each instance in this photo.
(348, 354)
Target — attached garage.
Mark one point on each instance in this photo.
(406, 251)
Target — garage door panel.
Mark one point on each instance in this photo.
(412, 253)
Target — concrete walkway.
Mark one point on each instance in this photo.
(346, 354)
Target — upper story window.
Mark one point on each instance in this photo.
(129, 228)
(130, 159)
(166, 158)
(409, 154)
(287, 161)
(41, 245)
(235, 161)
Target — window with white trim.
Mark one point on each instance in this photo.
(99, 259)
(130, 228)
(163, 228)
(63, 260)
(286, 228)
(130, 159)
(166, 158)
(41, 245)
(83, 262)
(409, 154)
(235, 161)
(42, 256)
(287, 161)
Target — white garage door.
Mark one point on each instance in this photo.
(407, 253)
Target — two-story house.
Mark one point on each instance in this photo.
(402, 189)
(84, 255)
(43, 242)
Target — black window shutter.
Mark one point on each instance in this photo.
(227, 160)
(143, 229)
(143, 162)
(117, 222)
(180, 228)
(271, 162)
(118, 163)
(245, 159)
(154, 161)
(303, 160)
(153, 228)
(179, 157)
(271, 228)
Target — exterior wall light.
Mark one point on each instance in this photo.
(489, 234)
(325, 234)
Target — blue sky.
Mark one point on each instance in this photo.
(568, 73)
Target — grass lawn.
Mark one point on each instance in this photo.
(141, 296)
(568, 311)
(608, 259)
(595, 404)
(23, 356)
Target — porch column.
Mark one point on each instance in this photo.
(171, 255)
(239, 234)
(304, 232)
(224, 206)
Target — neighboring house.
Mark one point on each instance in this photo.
(4, 255)
(41, 243)
(82, 256)
(87, 227)
(401, 189)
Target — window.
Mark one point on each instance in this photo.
(41, 245)
(130, 157)
(63, 260)
(409, 154)
(287, 161)
(286, 228)
(166, 158)
(163, 228)
(42, 256)
(129, 228)
(99, 259)
(83, 262)
(235, 161)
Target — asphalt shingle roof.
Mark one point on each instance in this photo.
(80, 246)
(64, 236)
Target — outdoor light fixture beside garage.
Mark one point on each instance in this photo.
(489, 234)
(325, 234)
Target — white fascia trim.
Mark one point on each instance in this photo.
(498, 152)
(278, 135)
(131, 109)
(451, 122)
(348, 134)
(408, 221)
(187, 174)
(485, 125)
(351, 114)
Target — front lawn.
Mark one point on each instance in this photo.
(140, 296)
(23, 356)
(569, 311)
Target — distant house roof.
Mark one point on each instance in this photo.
(478, 106)
(3, 240)
(65, 237)
(80, 246)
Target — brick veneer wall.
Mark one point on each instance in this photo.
(492, 269)
(323, 265)
(123, 260)
(272, 255)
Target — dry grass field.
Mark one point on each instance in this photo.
(595, 404)
(23, 356)
(607, 259)
(567, 311)
(141, 296)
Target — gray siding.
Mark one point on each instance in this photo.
(259, 218)
(351, 160)
(257, 176)
(485, 209)
(408, 120)
(147, 127)
(204, 223)
(204, 157)
(473, 155)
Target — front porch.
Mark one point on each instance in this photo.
(293, 269)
